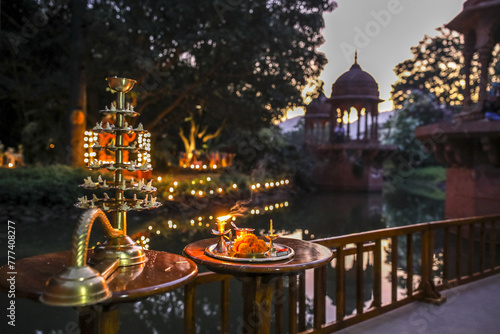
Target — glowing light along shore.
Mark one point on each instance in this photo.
(209, 187)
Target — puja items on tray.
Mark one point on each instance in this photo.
(249, 244)
(246, 246)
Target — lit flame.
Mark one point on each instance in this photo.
(221, 222)
(224, 218)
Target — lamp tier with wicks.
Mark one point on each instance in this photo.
(126, 194)
(119, 184)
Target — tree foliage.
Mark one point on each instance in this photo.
(437, 67)
(243, 62)
(418, 108)
(197, 133)
(271, 152)
(33, 77)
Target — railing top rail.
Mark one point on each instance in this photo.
(400, 230)
(464, 221)
(371, 235)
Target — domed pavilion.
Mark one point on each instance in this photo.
(317, 121)
(356, 89)
(347, 158)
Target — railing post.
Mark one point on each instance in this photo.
(359, 279)
(225, 306)
(108, 317)
(340, 288)
(189, 308)
(446, 256)
(458, 257)
(302, 301)
(409, 265)
(482, 247)
(492, 245)
(470, 256)
(394, 269)
(377, 274)
(292, 304)
(319, 296)
(427, 287)
(278, 306)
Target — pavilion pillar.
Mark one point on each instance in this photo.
(358, 123)
(325, 131)
(315, 132)
(372, 128)
(321, 132)
(367, 112)
(485, 59)
(306, 130)
(468, 54)
(348, 125)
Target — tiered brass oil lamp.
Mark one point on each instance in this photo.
(80, 284)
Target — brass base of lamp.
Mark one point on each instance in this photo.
(76, 286)
(123, 248)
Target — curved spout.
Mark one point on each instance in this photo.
(81, 235)
(79, 284)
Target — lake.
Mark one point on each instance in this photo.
(309, 216)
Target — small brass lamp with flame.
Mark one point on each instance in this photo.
(221, 247)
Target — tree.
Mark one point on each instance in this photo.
(253, 57)
(418, 108)
(244, 62)
(436, 67)
(196, 133)
(34, 58)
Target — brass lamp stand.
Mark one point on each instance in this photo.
(119, 272)
(79, 284)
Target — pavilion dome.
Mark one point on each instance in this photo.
(355, 84)
(319, 107)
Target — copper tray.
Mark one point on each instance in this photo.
(251, 257)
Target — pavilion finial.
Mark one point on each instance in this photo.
(356, 56)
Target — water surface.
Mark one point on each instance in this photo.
(310, 216)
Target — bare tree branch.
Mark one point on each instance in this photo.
(202, 133)
(182, 95)
(215, 134)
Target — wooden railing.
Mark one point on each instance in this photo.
(442, 262)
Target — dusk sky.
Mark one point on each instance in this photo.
(383, 31)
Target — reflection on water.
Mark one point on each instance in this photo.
(402, 209)
(311, 216)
